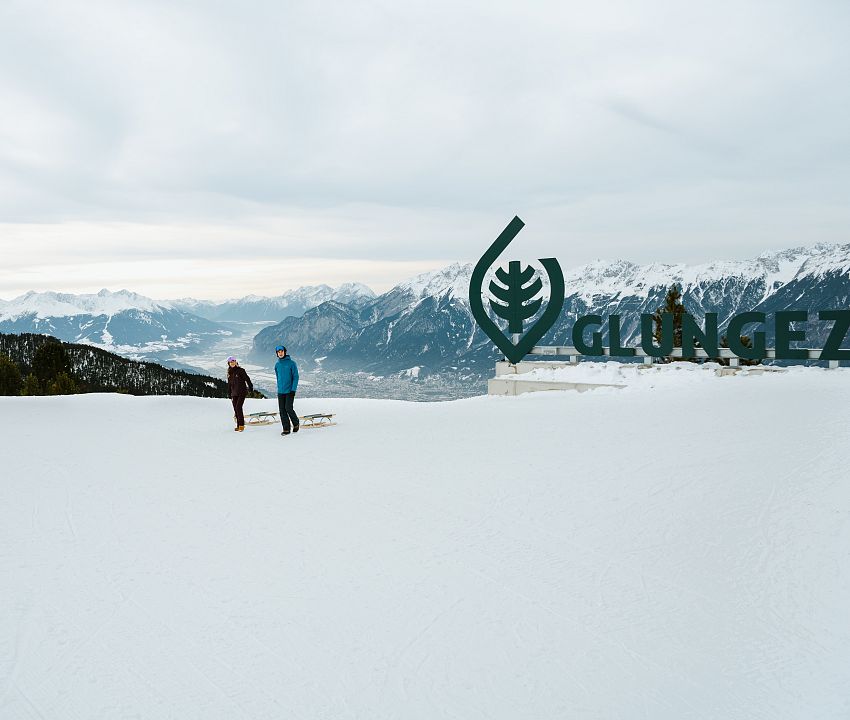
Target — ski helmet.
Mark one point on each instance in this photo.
(279, 348)
(231, 359)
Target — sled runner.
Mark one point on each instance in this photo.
(307, 421)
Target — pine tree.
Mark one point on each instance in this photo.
(63, 385)
(746, 342)
(31, 386)
(49, 361)
(10, 377)
(673, 305)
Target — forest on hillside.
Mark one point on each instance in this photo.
(32, 364)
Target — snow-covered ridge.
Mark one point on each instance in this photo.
(835, 260)
(52, 304)
(453, 279)
(774, 269)
(309, 295)
(624, 278)
(352, 290)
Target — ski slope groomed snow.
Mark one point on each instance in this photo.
(679, 549)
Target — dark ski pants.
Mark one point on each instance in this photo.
(238, 402)
(287, 413)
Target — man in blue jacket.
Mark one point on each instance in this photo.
(287, 383)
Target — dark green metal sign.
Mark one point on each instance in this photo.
(518, 297)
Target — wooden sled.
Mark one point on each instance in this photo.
(315, 420)
(261, 418)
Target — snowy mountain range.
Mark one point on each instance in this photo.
(812, 278)
(255, 308)
(426, 322)
(132, 324)
(122, 321)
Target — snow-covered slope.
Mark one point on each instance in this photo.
(671, 553)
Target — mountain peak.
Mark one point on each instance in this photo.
(355, 288)
(453, 279)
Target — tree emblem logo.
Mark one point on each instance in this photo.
(516, 299)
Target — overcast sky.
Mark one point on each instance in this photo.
(218, 149)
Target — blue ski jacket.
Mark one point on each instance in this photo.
(287, 375)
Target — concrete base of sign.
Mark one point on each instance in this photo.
(507, 386)
(509, 382)
(506, 381)
(750, 369)
(506, 368)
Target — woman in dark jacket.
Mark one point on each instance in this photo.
(240, 385)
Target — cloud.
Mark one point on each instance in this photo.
(412, 132)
